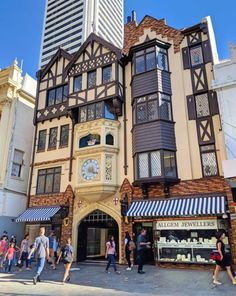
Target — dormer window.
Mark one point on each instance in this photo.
(149, 59)
(57, 95)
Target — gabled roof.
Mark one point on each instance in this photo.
(91, 38)
(60, 53)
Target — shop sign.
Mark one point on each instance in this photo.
(186, 224)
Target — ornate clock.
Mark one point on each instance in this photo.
(90, 169)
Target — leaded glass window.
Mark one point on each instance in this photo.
(52, 143)
(165, 107)
(209, 161)
(139, 65)
(155, 163)
(91, 112)
(169, 164)
(64, 135)
(59, 92)
(91, 79)
(202, 105)
(78, 83)
(83, 114)
(162, 61)
(143, 165)
(42, 140)
(49, 180)
(57, 95)
(152, 110)
(99, 110)
(196, 55)
(141, 112)
(107, 74)
(151, 61)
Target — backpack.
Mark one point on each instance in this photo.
(66, 255)
(132, 246)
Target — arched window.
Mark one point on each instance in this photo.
(89, 140)
(109, 139)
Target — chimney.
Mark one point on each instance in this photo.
(134, 18)
(128, 19)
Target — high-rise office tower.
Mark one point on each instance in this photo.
(67, 24)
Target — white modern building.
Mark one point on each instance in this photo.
(225, 85)
(68, 23)
(17, 100)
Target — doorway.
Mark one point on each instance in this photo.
(93, 233)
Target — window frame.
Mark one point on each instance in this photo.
(54, 89)
(20, 165)
(75, 77)
(147, 52)
(195, 102)
(50, 147)
(212, 150)
(190, 56)
(42, 149)
(60, 144)
(146, 102)
(45, 180)
(104, 68)
(163, 173)
(89, 73)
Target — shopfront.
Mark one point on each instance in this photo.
(184, 229)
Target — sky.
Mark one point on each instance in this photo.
(21, 23)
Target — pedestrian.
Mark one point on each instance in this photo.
(3, 249)
(41, 247)
(9, 256)
(142, 246)
(224, 260)
(128, 249)
(67, 255)
(110, 254)
(13, 240)
(24, 248)
(52, 248)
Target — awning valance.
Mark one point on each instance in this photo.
(38, 214)
(212, 205)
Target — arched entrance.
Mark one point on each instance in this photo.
(93, 232)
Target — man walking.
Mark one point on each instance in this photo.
(142, 246)
(41, 247)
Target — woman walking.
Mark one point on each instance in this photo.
(24, 249)
(110, 254)
(67, 255)
(224, 259)
(127, 250)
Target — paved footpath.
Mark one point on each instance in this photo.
(92, 280)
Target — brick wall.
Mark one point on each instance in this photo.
(57, 199)
(133, 31)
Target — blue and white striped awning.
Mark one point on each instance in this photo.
(38, 214)
(213, 205)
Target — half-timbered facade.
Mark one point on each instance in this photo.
(130, 139)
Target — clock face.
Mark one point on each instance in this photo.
(90, 169)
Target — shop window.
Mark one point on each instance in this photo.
(78, 83)
(106, 74)
(64, 135)
(89, 140)
(150, 58)
(42, 140)
(202, 105)
(52, 143)
(91, 79)
(49, 180)
(169, 164)
(196, 55)
(18, 161)
(209, 160)
(109, 139)
(151, 107)
(57, 95)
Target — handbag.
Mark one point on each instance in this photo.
(215, 255)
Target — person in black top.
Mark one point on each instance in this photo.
(142, 246)
(224, 261)
(127, 250)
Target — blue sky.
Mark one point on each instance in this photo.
(21, 24)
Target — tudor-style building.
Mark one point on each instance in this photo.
(133, 133)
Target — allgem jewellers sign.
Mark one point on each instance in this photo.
(186, 224)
